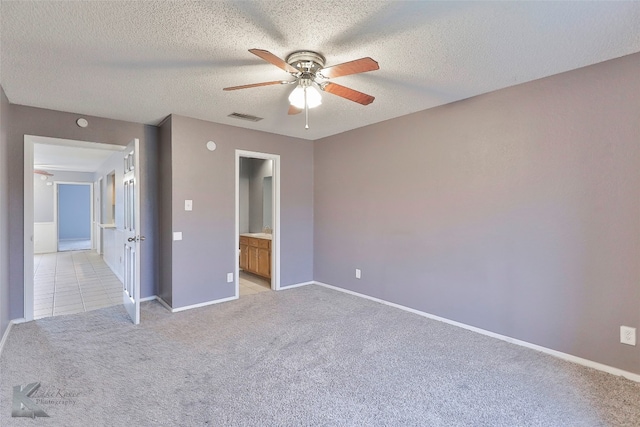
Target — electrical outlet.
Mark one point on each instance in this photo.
(627, 335)
(358, 273)
(229, 277)
(188, 205)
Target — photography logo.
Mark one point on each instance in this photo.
(23, 406)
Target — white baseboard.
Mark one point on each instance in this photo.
(189, 307)
(164, 303)
(5, 336)
(296, 285)
(565, 356)
(202, 304)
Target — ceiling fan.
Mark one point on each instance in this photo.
(310, 77)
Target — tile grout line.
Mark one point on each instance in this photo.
(75, 274)
(40, 261)
(104, 288)
(55, 282)
(93, 268)
(35, 272)
(78, 261)
(84, 307)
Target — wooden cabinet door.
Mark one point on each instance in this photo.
(264, 262)
(244, 257)
(253, 259)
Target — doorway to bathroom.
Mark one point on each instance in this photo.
(257, 223)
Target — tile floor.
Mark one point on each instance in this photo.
(73, 245)
(251, 284)
(73, 282)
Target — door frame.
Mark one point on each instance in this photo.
(97, 215)
(29, 214)
(28, 229)
(55, 208)
(275, 242)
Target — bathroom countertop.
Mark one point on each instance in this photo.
(266, 236)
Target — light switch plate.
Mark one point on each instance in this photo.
(358, 273)
(229, 277)
(188, 205)
(628, 335)
(177, 235)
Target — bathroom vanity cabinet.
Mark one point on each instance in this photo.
(255, 254)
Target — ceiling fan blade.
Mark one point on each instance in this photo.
(271, 58)
(41, 172)
(278, 82)
(294, 110)
(347, 93)
(361, 65)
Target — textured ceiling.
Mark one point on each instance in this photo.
(141, 61)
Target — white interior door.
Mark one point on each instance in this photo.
(98, 214)
(132, 238)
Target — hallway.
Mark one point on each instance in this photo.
(73, 282)
(74, 245)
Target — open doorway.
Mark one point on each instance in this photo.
(257, 222)
(74, 205)
(64, 274)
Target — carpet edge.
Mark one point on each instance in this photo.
(555, 353)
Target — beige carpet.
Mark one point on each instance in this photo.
(303, 357)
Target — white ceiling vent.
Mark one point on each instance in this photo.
(245, 117)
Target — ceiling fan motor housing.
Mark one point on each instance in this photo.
(308, 62)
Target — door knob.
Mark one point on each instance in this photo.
(131, 239)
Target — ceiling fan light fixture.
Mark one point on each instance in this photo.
(297, 96)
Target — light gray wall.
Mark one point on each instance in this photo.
(517, 211)
(149, 207)
(56, 124)
(109, 190)
(43, 197)
(267, 202)
(165, 202)
(5, 315)
(207, 253)
(260, 169)
(114, 164)
(252, 173)
(243, 194)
